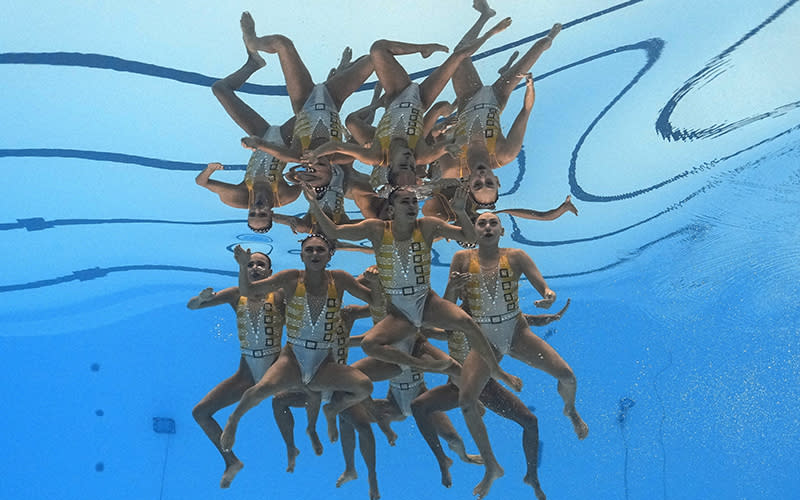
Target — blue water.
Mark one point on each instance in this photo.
(673, 125)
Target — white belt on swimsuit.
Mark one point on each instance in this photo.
(407, 290)
(404, 386)
(261, 353)
(497, 318)
(311, 344)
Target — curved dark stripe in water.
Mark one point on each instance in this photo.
(109, 156)
(652, 48)
(39, 223)
(712, 70)
(97, 272)
(516, 233)
(118, 64)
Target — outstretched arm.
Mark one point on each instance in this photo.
(209, 298)
(525, 213)
(509, 149)
(234, 195)
(366, 229)
(282, 279)
(369, 155)
(255, 143)
(526, 266)
(545, 319)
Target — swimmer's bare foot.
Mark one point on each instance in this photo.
(347, 476)
(508, 379)
(347, 56)
(482, 6)
(534, 482)
(316, 444)
(569, 206)
(249, 34)
(493, 472)
(391, 435)
(427, 49)
(374, 494)
(555, 30)
(471, 47)
(231, 470)
(228, 436)
(508, 63)
(291, 458)
(444, 468)
(330, 417)
(458, 448)
(581, 429)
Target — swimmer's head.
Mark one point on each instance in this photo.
(259, 207)
(402, 203)
(316, 251)
(488, 227)
(259, 266)
(402, 165)
(317, 174)
(484, 186)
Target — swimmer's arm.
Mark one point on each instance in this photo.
(279, 151)
(545, 319)
(438, 110)
(509, 149)
(297, 224)
(366, 229)
(463, 229)
(426, 153)
(347, 282)
(435, 333)
(552, 214)
(234, 195)
(364, 155)
(458, 277)
(522, 262)
(209, 298)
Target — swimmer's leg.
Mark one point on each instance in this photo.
(424, 406)
(225, 394)
(298, 80)
(393, 77)
(537, 353)
(348, 436)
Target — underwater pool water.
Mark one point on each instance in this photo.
(673, 125)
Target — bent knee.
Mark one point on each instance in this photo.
(379, 46)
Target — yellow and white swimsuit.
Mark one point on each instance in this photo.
(259, 336)
(318, 119)
(332, 199)
(403, 119)
(480, 116)
(263, 165)
(406, 287)
(493, 302)
(409, 384)
(314, 339)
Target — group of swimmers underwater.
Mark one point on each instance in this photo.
(438, 154)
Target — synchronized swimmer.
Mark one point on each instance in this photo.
(439, 158)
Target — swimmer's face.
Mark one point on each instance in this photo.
(315, 254)
(483, 184)
(260, 219)
(259, 267)
(404, 205)
(403, 166)
(489, 228)
(318, 174)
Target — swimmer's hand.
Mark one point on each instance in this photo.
(458, 281)
(459, 201)
(252, 142)
(241, 255)
(547, 301)
(206, 294)
(202, 177)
